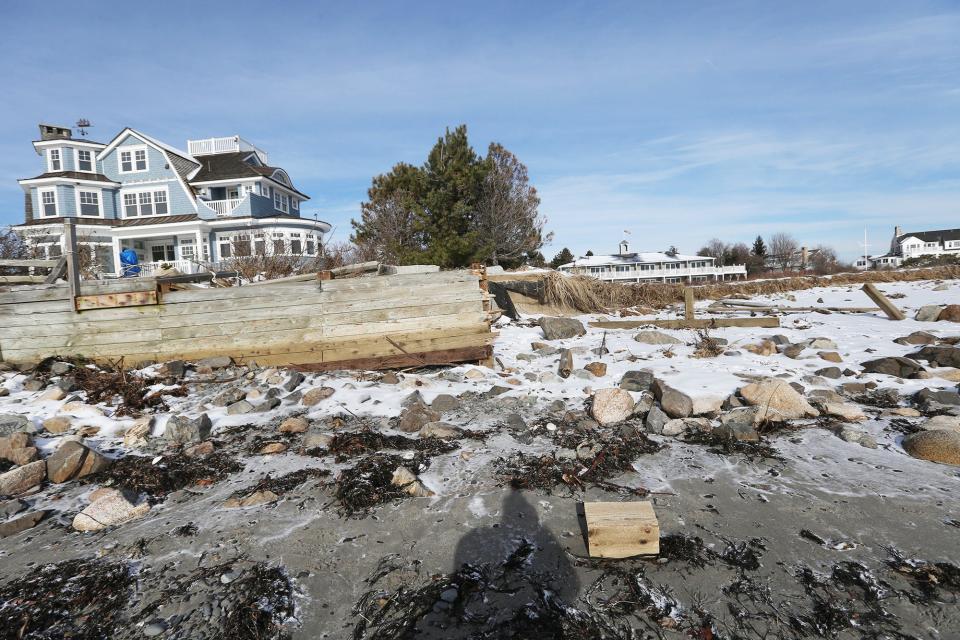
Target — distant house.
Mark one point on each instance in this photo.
(798, 260)
(220, 198)
(914, 244)
(668, 266)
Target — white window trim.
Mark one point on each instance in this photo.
(99, 202)
(133, 158)
(50, 151)
(93, 161)
(56, 203)
(153, 201)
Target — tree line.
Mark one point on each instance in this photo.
(782, 252)
(455, 209)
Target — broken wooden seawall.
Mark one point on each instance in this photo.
(356, 323)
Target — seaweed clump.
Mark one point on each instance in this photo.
(351, 445)
(80, 599)
(139, 474)
(261, 601)
(369, 483)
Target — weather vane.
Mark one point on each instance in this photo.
(82, 125)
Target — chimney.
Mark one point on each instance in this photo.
(897, 231)
(55, 132)
(804, 254)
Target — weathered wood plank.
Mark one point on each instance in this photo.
(22, 279)
(18, 262)
(621, 529)
(688, 300)
(445, 356)
(704, 323)
(113, 300)
(883, 302)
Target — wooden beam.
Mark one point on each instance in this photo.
(621, 529)
(57, 271)
(883, 302)
(443, 356)
(688, 298)
(14, 262)
(73, 266)
(701, 323)
(111, 300)
(22, 279)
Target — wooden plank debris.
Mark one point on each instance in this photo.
(699, 323)
(621, 529)
(883, 302)
(688, 300)
(22, 279)
(17, 262)
(112, 300)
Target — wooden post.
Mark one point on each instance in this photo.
(621, 529)
(565, 367)
(688, 298)
(881, 301)
(70, 252)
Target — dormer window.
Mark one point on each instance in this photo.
(84, 160)
(133, 159)
(55, 163)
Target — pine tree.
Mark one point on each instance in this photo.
(759, 248)
(563, 257)
(588, 253)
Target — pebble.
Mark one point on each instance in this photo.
(154, 629)
(229, 576)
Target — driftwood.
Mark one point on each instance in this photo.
(885, 305)
(565, 367)
(621, 529)
(699, 323)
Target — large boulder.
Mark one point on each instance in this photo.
(777, 400)
(639, 380)
(74, 460)
(936, 446)
(893, 366)
(674, 403)
(21, 479)
(611, 406)
(561, 328)
(184, 430)
(950, 313)
(656, 338)
(942, 423)
(917, 338)
(111, 509)
(944, 356)
(928, 313)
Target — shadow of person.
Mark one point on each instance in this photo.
(512, 579)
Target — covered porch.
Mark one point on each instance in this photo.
(185, 249)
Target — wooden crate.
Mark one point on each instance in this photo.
(621, 529)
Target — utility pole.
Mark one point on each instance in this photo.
(865, 244)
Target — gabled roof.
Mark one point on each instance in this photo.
(72, 175)
(941, 235)
(227, 166)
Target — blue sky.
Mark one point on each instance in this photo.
(676, 121)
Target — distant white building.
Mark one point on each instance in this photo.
(668, 266)
(915, 244)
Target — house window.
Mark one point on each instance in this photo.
(295, 204)
(132, 160)
(242, 245)
(163, 253)
(160, 202)
(89, 203)
(49, 201)
(54, 251)
(188, 250)
(311, 246)
(296, 245)
(259, 244)
(224, 244)
(130, 205)
(84, 160)
(145, 199)
(55, 163)
(264, 189)
(276, 200)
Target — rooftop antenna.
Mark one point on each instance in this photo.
(82, 125)
(865, 244)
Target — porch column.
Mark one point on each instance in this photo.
(199, 256)
(115, 241)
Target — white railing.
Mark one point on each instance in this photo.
(632, 273)
(183, 266)
(223, 207)
(229, 144)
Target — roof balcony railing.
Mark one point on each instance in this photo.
(229, 144)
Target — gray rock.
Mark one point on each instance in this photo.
(239, 408)
(656, 338)
(173, 369)
(928, 313)
(216, 362)
(833, 373)
(22, 478)
(516, 421)
(943, 356)
(154, 629)
(24, 522)
(561, 328)
(655, 420)
(825, 395)
(893, 366)
(295, 380)
(822, 343)
(74, 460)
(917, 338)
(857, 436)
(611, 406)
(414, 417)
(32, 384)
(445, 402)
(68, 384)
(60, 368)
(739, 424)
(269, 404)
(675, 404)
(779, 339)
(184, 430)
(12, 423)
(228, 397)
(674, 427)
(639, 380)
(495, 391)
(11, 508)
(793, 350)
(317, 440)
(293, 398)
(644, 404)
(775, 398)
(441, 430)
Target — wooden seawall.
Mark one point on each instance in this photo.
(360, 323)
